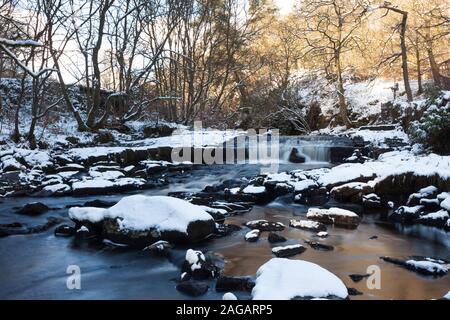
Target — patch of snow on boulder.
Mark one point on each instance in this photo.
(284, 279)
(254, 189)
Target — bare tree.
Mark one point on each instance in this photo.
(329, 31)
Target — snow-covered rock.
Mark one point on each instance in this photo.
(284, 279)
(437, 219)
(264, 225)
(307, 225)
(424, 193)
(229, 296)
(103, 186)
(198, 266)
(141, 220)
(351, 192)
(447, 296)
(254, 189)
(406, 214)
(288, 251)
(336, 216)
(252, 236)
(422, 265)
(446, 204)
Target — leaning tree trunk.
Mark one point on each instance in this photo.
(403, 48)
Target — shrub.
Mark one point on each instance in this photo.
(433, 129)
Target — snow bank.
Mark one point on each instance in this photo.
(388, 164)
(379, 138)
(284, 279)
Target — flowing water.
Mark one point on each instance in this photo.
(34, 266)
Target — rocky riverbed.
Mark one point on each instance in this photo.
(150, 229)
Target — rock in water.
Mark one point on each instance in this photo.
(33, 209)
(285, 279)
(354, 292)
(192, 288)
(358, 277)
(225, 283)
(198, 266)
(160, 248)
(142, 220)
(229, 296)
(288, 251)
(296, 157)
(352, 192)
(320, 246)
(253, 235)
(64, 231)
(336, 216)
(275, 238)
(422, 265)
(308, 225)
(264, 225)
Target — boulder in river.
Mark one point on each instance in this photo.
(336, 216)
(435, 219)
(319, 246)
(422, 265)
(264, 225)
(351, 192)
(192, 288)
(33, 209)
(313, 226)
(159, 248)
(285, 279)
(288, 251)
(296, 157)
(226, 283)
(229, 296)
(64, 231)
(198, 266)
(252, 236)
(142, 220)
(275, 238)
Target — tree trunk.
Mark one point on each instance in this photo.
(419, 68)
(434, 68)
(34, 110)
(409, 94)
(343, 113)
(433, 64)
(403, 48)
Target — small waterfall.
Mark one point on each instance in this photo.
(312, 148)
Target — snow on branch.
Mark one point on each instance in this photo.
(32, 73)
(21, 43)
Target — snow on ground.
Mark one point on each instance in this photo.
(379, 138)
(141, 212)
(391, 163)
(284, 279)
